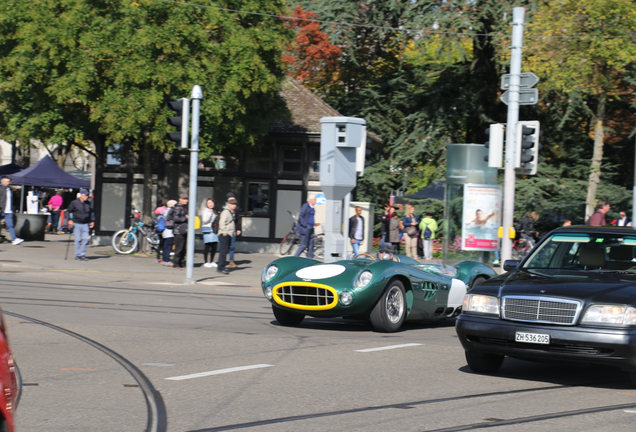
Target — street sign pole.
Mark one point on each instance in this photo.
(196, 97)
(518, 14)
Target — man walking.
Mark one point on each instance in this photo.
(305, 227)
(6, 208)
(356, 230)
(81, 220)
(237, 227)
(179, 215)
(428, 226)
(598, 218)
(227, 230)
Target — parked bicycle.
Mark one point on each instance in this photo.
(292, 239)
(127, 241)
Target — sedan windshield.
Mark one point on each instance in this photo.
(585, 251)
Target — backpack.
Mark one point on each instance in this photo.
(427, 233)
(215, 224)
(160, 224)
(169, 223)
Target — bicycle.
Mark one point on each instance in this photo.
(292, 239)
(126, 241)
(521, 248)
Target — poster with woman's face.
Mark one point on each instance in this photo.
(481, 217)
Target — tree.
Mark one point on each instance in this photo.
(103, 70)
(585, 50)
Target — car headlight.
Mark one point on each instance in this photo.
(346, 298)
(269, 272)
(268, 293)
(610, 314)
(363, 279)
(481, 303)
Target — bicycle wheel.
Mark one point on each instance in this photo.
(125, 242)
(153, 240)
(319, 246)
(287, 243)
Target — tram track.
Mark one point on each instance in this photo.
(157, 420)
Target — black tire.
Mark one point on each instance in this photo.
(125, 242)
(287, 243)
(287, 318)
(389, 313)
(484, 363)
(478, 281)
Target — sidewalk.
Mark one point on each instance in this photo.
(56, 253)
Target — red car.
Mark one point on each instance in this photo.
(9, 380)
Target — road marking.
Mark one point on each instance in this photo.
(630, 411)
(389, 347)
(218, 372)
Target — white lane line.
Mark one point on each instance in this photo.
(389, 347)
(218, 372)
(630, 411)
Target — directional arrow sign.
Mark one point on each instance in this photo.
(526, 80)
(526, 97)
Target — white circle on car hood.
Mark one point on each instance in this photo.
(320, 271)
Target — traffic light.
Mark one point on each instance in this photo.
(181, 106)
(495, 145)
(527, 154)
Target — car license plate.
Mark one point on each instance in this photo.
(532, 338)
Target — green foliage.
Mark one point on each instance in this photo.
(76, 69)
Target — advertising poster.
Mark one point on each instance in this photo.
(481, 217)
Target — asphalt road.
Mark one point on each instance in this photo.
(219, 360)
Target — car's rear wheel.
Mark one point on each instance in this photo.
(478, 281)
(389, 313)
(484, 363)
(287, 318)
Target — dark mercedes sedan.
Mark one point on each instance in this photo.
(572, 298)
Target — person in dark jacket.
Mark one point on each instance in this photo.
(6, 208)
(305, 226)
(81, 220)
(356, 230)
(179, 215)
(598, 218)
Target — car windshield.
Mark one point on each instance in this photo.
(585, 251)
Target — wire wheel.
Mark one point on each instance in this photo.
(125, 242)
(287, 243)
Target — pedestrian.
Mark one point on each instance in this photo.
(384, 225)
(168, 233)
(160, 226)
(179, 215)
(227, 229)
(237, 225)
(305, 226)
(6, 208)
(622, 220)
(210, 228)
(567, 222)
(81, 219)
(525, 228)
(598, 218)
(428, 227)
(55, 207)
(394, 233)
(356, 230)
(411, 235)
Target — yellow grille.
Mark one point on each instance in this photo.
(305, 296)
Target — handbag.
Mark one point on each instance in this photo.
(411, 231)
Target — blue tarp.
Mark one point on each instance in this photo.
(10, 168)
(47, 173)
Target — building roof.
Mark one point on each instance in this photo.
(306, 110)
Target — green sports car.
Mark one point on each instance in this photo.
(385, 288)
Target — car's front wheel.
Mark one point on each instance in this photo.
(389, 313)
(287, 318)
(484, 363)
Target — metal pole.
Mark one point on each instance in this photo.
(345, 224)
(634, 189)
(513, 117)
(196, 97)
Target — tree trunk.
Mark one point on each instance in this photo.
(147, 209)
(597, 158)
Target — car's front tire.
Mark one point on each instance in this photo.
(389, 313)
(484, 363)
(287, 318)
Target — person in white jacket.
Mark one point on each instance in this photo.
(209, 219)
